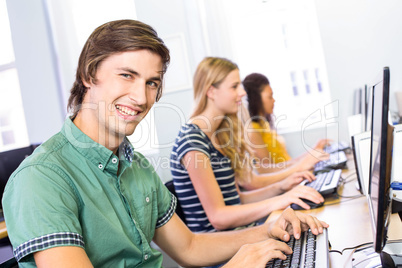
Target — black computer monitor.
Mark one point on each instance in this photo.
(379, 197)
(9, 161)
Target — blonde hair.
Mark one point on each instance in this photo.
(211, 72)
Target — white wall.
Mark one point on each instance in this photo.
(359, 38)
(35, 61)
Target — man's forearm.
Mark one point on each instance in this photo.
(225, 244)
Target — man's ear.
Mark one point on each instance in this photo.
(211, 92)
(86, 83)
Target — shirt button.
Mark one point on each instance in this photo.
(100, 166)
(114, 160)
(146, 257)
(147, 199)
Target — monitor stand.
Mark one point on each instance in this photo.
(357, 186)
(391, 255)
(366, 258)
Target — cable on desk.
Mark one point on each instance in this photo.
(351, 248)
(344, 180)
(363, 246)
(350, 196)
(350, 199)
(345, 196)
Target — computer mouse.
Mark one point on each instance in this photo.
(308, 202)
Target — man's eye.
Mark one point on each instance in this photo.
(153, 84)
(126, 75)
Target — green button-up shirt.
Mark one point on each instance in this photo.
(73, 191)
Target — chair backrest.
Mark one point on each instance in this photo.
(9, 161)
(10, 263)
(179, 210)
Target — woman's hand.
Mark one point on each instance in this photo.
(320, 145)
(295, 179)
(311, 158)
(295, 195)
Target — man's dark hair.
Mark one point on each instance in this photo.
(108, 39)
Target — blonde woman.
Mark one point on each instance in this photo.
(210, 160)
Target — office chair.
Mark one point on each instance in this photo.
(179, 210)
(10, 160)
(10, 263)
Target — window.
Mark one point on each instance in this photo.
(281, 40)
(13, 132)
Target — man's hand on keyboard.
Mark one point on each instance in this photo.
(258, 254)
(293, 223)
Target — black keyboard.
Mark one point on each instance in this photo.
(337, 146)
(304, 253)
(326, 182)
(336, 160)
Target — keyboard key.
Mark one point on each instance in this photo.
(304, 247)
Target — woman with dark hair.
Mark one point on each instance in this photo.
(269, 148)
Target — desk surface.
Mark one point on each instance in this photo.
(3, 230)
(349, 220)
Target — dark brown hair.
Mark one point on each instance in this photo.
(254, 84)
(108, 39)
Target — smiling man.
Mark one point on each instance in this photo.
(124, 90)
(85, 198)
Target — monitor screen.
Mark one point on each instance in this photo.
(361, 155)
(358, 98)
(364, 103)
(369, 109)
(380, 161)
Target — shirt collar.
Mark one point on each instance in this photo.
(126, 150)
(93, 151)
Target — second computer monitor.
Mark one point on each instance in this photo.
(361, 144)
(369, 109)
